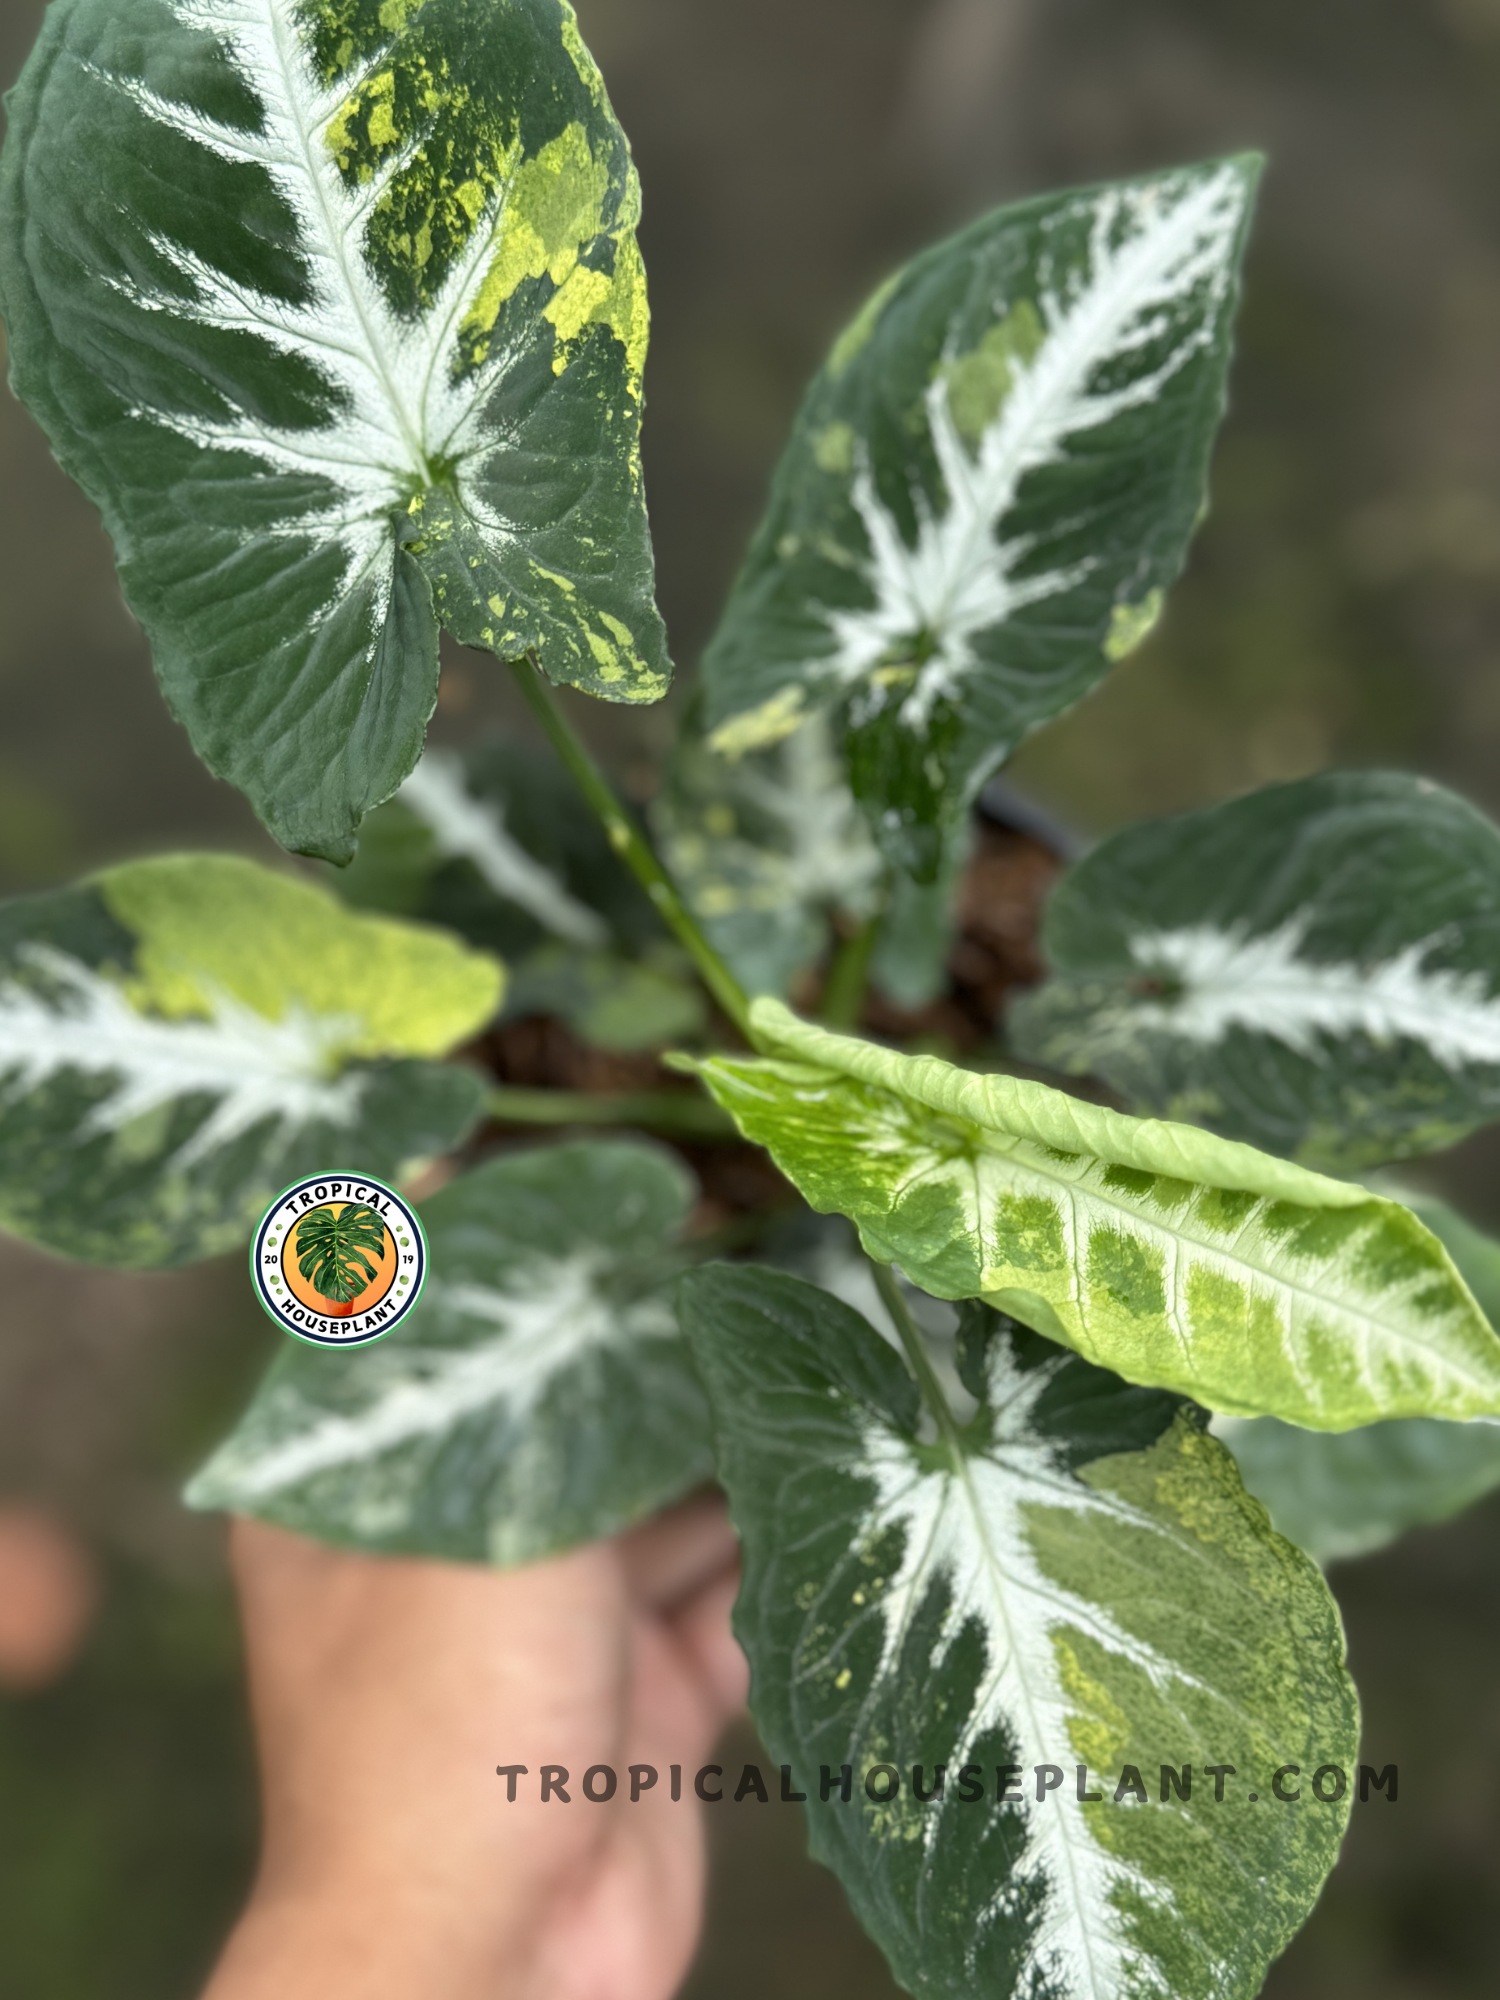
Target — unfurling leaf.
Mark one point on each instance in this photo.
(1314, 968)
(181, 1038)
(1173, 1257)
(538, 1395)
(352, 350)
(989, 487)
(1070, 1594)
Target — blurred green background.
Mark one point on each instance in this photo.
(1343, 604)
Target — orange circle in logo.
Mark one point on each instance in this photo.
(301, 1288)
(348, 1230)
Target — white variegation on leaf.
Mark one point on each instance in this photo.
(180, 1038)
(767, 849)
(975, 1608)
(367, 266)
(497, 845)
(950, 574)
(539, 1394)
(1218, 980)
(1150, 247)
(1315, 967)
(272, 1074)
(470, 828)
(1172, 1256)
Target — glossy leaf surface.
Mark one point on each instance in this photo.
(989, 486)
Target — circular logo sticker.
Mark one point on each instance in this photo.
(338, 1259)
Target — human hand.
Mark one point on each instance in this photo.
(385, 1694)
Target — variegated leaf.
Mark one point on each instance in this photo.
(1074, 1580)
(181, 1038)
(498, 846)
(1315, 968)
(352, 349)
(538, 1395)
(1176, 1258)
(1347, 1495)
(770, 850)
(990, 485)
(767, 849)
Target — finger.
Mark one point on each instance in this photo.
(668, 1560)
(49, 1589)
(703, 1635)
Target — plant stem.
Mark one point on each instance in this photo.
(844, 989)
(915, 1349)
(628, 844)
(678, 1112)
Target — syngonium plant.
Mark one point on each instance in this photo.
(338, 316)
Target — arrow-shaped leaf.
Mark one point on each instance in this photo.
(1173, 1257)
(352, 348)
(181, 1038)
(538, 1395)
(1076, 1579)
(989, 486)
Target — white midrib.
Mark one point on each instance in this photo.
(291, 65)
(1087, 335)
(995, 1572)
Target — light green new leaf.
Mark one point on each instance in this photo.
(1174, 1257)
(989, 486)
(1314, 968)
(538, 1395)
(352, 350)
(181, 1038)
(1074, 1581)
(1347, 1495)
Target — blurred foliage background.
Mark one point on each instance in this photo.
(1342, 605)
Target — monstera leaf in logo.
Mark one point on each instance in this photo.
(331, 1252)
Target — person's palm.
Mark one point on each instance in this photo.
(386, 1694)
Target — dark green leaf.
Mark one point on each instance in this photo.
(330, 1249)
(988, 488)
(538, 1395)
(1077, 1578)
(181, 1038)
(350, 348)
(1314, 968)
